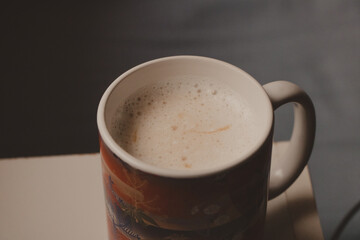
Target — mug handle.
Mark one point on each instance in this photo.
(286, 168)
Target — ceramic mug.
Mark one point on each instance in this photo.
(228, 202)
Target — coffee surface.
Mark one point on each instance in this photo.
(185, 123)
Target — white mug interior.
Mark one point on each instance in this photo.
(174, 67)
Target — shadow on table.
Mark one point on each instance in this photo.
(286, 220)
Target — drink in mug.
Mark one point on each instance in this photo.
(186, 147)
(185, 123)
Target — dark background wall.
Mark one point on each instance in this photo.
(58, 58)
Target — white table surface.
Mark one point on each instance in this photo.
(61, 197)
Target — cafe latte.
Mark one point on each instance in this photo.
(185, 123)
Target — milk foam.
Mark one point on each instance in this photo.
(185, 124)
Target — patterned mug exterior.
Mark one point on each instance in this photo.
(228, 203)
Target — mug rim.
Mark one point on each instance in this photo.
(176, 173)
